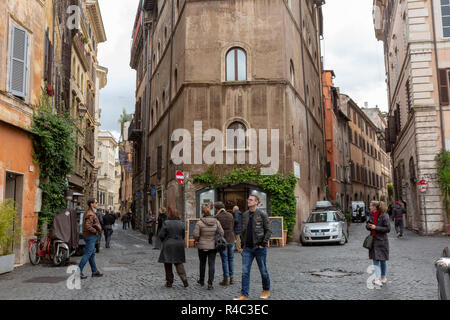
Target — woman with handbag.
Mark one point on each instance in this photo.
(205, 238)
(378, 246)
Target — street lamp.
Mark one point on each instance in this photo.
(82, 110)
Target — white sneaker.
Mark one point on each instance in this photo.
(384, 280)
(377, 282)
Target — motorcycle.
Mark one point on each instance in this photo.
(64, 236)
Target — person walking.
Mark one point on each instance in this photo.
(255, 237)
(205, 238)
(90, 228)
(124, 221)
(227, 256)
(162, 216)
(108, 220)
(397, 216)
(150, 222)
(237, 227)
(172, 236)
(380, 226)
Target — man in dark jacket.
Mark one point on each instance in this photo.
(227, 221)
(255, 237)
(397, 215)
(108, 221)
(150, 222)
(237, 227)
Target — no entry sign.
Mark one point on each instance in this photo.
(180, 177)
(423, 186)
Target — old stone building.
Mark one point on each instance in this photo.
(367, 156)
(86, 80)
(22, 35)
(106, 164)
(126, 170)
(415, 34)
(337, 143)
(240, 64)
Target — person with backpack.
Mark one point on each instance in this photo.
(397, 216)
(205, 239)
(227, 256)
(108, 221)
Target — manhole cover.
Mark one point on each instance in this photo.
(122, 261)
(333, 273)
(46, 280)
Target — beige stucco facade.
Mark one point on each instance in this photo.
(417, 58)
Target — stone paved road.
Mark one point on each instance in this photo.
(132, 272)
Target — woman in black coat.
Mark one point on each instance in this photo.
(380, 226)
(172, 250)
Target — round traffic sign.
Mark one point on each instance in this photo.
(423, 186)
(180, 177)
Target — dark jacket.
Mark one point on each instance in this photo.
(380, 249)
(172, 238)
(91, 226)
(100, 218)
(398, 211)
(261, 228)
(161, 218)
(205, 232)
(109, 219)
(237, 222)
(227, 221)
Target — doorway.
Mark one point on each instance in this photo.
(14, 191)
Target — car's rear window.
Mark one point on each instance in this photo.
(316, 217)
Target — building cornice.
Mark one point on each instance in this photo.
(96, 18)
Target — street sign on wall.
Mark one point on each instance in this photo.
(180, 177)
(423, 186)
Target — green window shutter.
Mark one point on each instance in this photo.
(18, 62)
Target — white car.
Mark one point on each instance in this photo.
(325, 225)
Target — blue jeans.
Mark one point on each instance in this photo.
(380, 268)
(89, 254)
(247, 260)
(227, 257)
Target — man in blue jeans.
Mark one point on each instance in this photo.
(91, 228)
(255, 236)
(226, 220)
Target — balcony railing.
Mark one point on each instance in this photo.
(135, 130)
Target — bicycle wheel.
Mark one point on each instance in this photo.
(33, 254)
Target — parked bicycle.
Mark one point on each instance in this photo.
(38, 249)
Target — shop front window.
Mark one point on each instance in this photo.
(206, 198)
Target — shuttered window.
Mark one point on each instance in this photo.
(159, 162)
(18, 62)
(443, 84)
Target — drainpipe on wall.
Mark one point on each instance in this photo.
(439, 89)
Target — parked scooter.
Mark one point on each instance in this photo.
(65, 234)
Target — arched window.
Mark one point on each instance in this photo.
(176, 79)
(157, 110)
(236, 136)
(236, 65)
(163, 104)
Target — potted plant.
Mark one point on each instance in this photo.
(348, 217)
(8, 235)
(443, 160)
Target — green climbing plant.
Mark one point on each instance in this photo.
(443, 174)
(280, 187)
(54, 145)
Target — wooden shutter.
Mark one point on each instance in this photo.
(443, 85)
(159, 162)
(18, 62)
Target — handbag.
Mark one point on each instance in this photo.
(368, 242)
(221, 243)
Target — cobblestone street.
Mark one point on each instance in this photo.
(132, 272)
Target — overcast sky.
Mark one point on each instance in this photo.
(349, 48)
